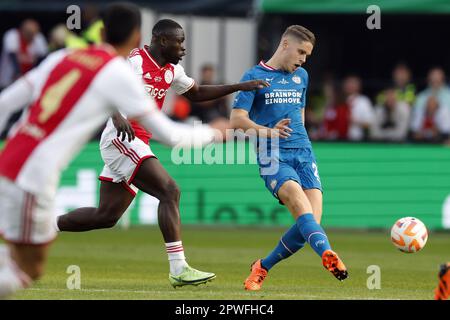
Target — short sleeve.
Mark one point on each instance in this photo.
(135, 62)
(181, 82)
(244, 99)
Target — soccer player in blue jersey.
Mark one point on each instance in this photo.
(288, 167)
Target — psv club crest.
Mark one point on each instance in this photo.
(297, 79)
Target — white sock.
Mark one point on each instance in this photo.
(12, 278)
(55, 224)
(177, 260)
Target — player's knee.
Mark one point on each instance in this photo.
(170, 191)
(108, 216)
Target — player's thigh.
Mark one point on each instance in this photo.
(115, 198)
(154, 180)
(294, 198)
(307, 169)
(315, 198)
(276, 175)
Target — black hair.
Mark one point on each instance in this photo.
(165, 26)
(120, 20)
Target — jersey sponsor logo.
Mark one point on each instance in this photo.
(283, 81)
(297, 79)
(148, 76)
(168, 76)
(283, 97)
(155, 92)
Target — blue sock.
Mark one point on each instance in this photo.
(290, 243)
(313, 233)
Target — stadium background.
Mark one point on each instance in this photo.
(367, 185)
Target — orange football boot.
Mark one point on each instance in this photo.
(256, 277)
(334, 264)
(442, 291)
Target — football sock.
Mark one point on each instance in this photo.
(177, 260)
(290, 243)
(12, 278)
(313, 233)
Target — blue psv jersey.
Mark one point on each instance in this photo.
(284, 98)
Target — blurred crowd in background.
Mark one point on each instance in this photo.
(340, 111)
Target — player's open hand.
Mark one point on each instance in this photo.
(281, 129)
(253, 85)
(123, 127)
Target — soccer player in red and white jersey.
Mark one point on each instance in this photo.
(72, 93)
(131, 165)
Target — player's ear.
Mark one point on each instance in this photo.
(284, 43)
(163, 41)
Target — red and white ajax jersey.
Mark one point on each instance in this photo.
(157, 80)
(72, 93)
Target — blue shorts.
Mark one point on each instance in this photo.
(290, 164)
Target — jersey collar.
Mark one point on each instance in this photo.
(150, 57)
(265, 66)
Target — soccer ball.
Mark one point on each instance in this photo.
(409, 234)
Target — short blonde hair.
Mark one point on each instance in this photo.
(301, 33)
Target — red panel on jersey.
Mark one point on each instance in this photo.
(157, 81)
(74, 74)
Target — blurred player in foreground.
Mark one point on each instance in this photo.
(278, 111)
(442, 292)
(130, 165)
(72, 94)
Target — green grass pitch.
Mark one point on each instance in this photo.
(132, 264)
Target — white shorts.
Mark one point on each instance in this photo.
(122, 160)
(25, 218)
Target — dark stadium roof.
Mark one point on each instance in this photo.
(197, 7)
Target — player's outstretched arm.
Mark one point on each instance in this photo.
(240, 119)
(177, 134)
(209, 92)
